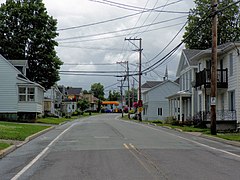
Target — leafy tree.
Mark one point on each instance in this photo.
(83, 104)
(86, 92)
(114, 96)
(28, 32)
(98, 90)
(228, 24)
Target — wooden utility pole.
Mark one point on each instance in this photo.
(214, 68)
(140, 76)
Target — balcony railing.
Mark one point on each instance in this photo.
(221, 115)
(204, 78)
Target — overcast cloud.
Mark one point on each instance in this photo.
(70, 13)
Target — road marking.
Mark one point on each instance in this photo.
(200, 144)
(40, 154)
(126, 146)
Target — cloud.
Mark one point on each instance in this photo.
(71, 13)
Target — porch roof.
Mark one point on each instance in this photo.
(180, 94)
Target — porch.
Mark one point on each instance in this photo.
(225, 119)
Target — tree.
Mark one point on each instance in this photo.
(28, 32)
(228, 24)
(98, 90)
(83, 104)
(114, 96)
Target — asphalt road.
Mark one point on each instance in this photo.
(106, 148)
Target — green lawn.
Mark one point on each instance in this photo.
(230, 136)
(4, 145)
(18, 131)
(52, 120)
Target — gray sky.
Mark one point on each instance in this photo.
(84, 49)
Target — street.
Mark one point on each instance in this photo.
(105, 147)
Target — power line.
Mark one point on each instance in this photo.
(83, 64)
(123, 35)
(136, 9)
(122, 30)
(90, 48)
(82, 74)
(109, 20)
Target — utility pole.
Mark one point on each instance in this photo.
(140, 76)
(121, 91)
(214, 68)
(126, 62)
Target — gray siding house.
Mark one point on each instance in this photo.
(183, 104)
(155, 104)
(20, 98)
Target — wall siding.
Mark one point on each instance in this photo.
(156, 98)
(8, 88)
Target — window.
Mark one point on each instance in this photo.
(230, 64)
(159, 111)
(231, 97)
(26, 94)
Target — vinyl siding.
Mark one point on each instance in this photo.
(156, 98)
(8, 88)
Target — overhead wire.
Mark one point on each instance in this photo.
(123, 35)
(135, 9)
(122, 30)
(110, 20)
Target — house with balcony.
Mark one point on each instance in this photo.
(228, 85)
(182, 104)
(20, 98)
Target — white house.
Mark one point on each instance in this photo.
(155, 104)
(20, 98)
(183, 103)
(52, 101)
(228, 83)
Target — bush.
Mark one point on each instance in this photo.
(171, 120)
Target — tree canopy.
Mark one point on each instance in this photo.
(28, 32)
(228, 24)
(114, 96)
(98, 90)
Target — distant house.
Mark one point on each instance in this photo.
(92, 100)
(20, 98)
(71, 95)
(155, 104)
(52, 101)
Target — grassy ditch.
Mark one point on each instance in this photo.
(18, 131)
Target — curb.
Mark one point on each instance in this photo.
(11, 148)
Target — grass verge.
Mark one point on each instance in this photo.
(18, 131)
(230, 136)
(4, 145)
(52, 120)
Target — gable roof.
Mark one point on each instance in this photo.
(186, 59)
(160, 84)
(73, 91)
(151, 84)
